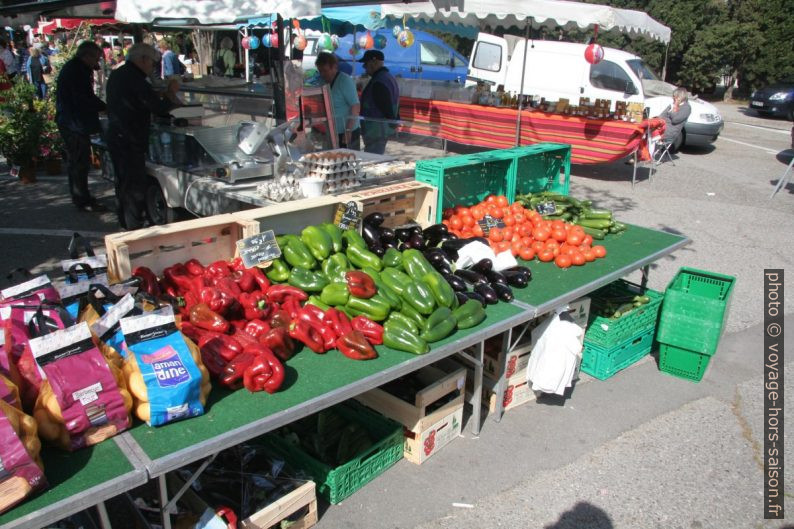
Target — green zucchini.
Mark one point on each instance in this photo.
(595, 233)
(599, 224)
(598, 214)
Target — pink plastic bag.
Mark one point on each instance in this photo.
(21, 476)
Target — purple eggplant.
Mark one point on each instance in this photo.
(371, 235)
(504, 292)
(483, 266)
(471, 277)
(374, 219)
(476, 296)
(417, 241)
(457, 284)
(515, 279)
(489, 294)
(496, 277)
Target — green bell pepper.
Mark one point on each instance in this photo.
(403, 340)
(335, 233)
(371, 272)
(335, 267)
(394, 299)
(297, 254)
(353, 238)
(469, 314)
(397, 319)
(317, 302)
(373, 308)
(411, 313)
(335, 294)
(393, 258)
(318, 241)
(415, 264)
(419, 295)
(278, 272)
(395, 279)
(440, 324)
(307, 280)
(443, 293)
(360, 257)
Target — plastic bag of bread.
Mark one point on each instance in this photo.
(164, 372)
(27, 322)
(23, 472)
(83, 400)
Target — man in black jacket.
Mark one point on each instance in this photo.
(77, 116)
(131, 102)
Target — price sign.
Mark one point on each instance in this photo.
(258, 249)
(547, 208)
(347, 216)
(487, 223)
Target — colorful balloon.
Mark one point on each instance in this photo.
(335, 41)
(274, 40)
(396, 31)
(324, 43)
(299, 43)
(406, 38)
(366, 42)
(266, 40)
(245, 43)
(594, 53)
(380, 42)
(253, 42)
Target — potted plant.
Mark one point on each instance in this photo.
(21, 129)
(51, 145)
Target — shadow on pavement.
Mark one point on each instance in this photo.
(583, 516)
(785, 156)
(697, 150)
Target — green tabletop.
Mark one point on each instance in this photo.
(77, 480)
(313, 382)
(637, 246)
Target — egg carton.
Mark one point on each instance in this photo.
(340, 185)
(280, 189)
(328, 159)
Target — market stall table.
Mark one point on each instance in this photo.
(78, 480)
(592, 140)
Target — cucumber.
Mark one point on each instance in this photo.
(595, 233)
(598, 214)
(642, 300)
(599, 224)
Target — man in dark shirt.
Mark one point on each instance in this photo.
(77, 115)
(380, 101)
(131, 102)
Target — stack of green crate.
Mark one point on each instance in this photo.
(541, 167)
(693, 318)
(614, 344)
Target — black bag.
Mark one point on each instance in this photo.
(219, 66)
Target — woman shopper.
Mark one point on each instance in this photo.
(37, 65)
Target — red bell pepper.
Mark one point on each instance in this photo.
(292, 306)
(279, 318)
(243, 337)
(237, 264)
(191, 331)
(235, 370)
(227, 284)
(278, 341)
(307, 335)
(256, 327)
(218, 269)
(371, 330)
(261, 279)
(254, 305)
(221, 345)
(178, 277)
(338, 321)
(214, 364)
(316, 311)
(355, 346)
(189, 300)
(265, 372)
(149, 282)
(360, 284)
(194, 267)
(205, 318)
(215, 299)
(327, 333)
(279, 293)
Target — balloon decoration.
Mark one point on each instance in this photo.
(594, 53)
(324, 43)
(380, 42)
(253, 42)
(353, 51)
(300, 42)
(245, 43)
(266, 40)
(406, 38)
(335, 41)
(366, 42)
(396, 31)
(274, 39)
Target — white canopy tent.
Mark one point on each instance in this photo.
(211, 12)
(550, 13)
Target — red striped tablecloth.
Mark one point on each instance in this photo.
(592, 140)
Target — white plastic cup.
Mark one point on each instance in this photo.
(312, 187)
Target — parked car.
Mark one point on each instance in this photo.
(775, 100)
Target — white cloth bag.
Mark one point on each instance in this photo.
(554, 363)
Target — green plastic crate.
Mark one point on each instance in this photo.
(467, 179)
(682, 363)
(606, 333)
(336, 484)
(542, 167)
(695, 309)
(603, 362)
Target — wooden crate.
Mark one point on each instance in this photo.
(400, 203)
(158, 247)
(293, 216)
(419, 425)
(279, 510)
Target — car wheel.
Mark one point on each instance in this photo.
(157, 207)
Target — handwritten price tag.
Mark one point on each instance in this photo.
(258, 249)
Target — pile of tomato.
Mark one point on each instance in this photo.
(526, 234)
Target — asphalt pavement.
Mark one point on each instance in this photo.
(640, 450)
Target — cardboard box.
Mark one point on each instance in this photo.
(433, 430)
(517, 392)
(516, 359)
(580, 311)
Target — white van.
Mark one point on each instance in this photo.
(555, 70)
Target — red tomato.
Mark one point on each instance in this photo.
(527, 241)
(490, 199)
(541, 234)
(559, 234)
(477, 230)
(538, 246)
(509, 220)
(589, 256)
(478, 212)
(496, 235)
(588, 240)
(599, 251)
(546, 256)
(516, 247)
(574, 238)
(455, 222)
(577, 258)
(525, 229)
(501, 201)
(507, 233)
(563, 261)
(516, 237)
(520, 218)
(527, 253)
(503, 246)
(557, 224)
(467, 220)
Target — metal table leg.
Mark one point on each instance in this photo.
(477, 360)
(783, 179)
(104, 520)
(645, 273)
(168, 506)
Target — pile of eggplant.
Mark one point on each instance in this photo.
(480, 281)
